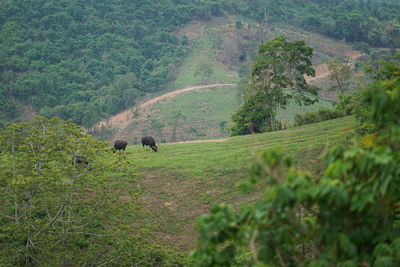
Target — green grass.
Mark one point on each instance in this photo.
(293, 109)
(203, 110)
(180, 181)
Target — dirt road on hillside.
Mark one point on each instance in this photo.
(121, 120)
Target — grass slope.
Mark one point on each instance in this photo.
(202, 112)
(181, 181)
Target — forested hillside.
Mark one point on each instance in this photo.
(86, 60)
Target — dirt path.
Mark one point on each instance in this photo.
(121, 120)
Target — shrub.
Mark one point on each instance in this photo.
(362, 46)
(316, 116)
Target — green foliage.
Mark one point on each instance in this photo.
(203, 70)
(384, 72)
(327, 113)
(77, 62)
(362, 46)
(239, 25)
(60, 198)
(277, 75)
(340, 74)
(253, 110)
(316, 116)
(346, 217)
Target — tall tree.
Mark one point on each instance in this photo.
(340, 73)
(278, 72)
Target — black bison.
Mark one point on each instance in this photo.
(253, 128)
(149, 141)
(120, 144)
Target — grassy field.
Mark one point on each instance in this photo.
(180, 181)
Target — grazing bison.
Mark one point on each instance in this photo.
(120, 144)
(149, 141)
(253, 128)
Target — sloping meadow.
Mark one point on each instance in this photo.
(180, 181)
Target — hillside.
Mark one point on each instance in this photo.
(216, 45)
(180, 181)
(88, 60)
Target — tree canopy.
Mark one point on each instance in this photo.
(276, 75)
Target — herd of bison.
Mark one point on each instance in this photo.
(146, 141)
(121, 145)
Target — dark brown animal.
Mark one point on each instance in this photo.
(149, 141)
(120, 144)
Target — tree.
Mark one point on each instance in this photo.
(204, 70)
(157, 127)
(58, 210)
(392, 36)
(347, 217)
(256, 110)
(340, 73)
(278, 73)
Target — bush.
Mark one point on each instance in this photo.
(362, 46)
(322, 114)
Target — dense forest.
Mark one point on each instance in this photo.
(86, 60)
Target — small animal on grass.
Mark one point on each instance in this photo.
(79, 159)
(120, 144)
(149, 141)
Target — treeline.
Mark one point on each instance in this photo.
(374, 22)
(86, 60)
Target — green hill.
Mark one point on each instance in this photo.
(180, 181)
(87, 60)
(215, 45)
